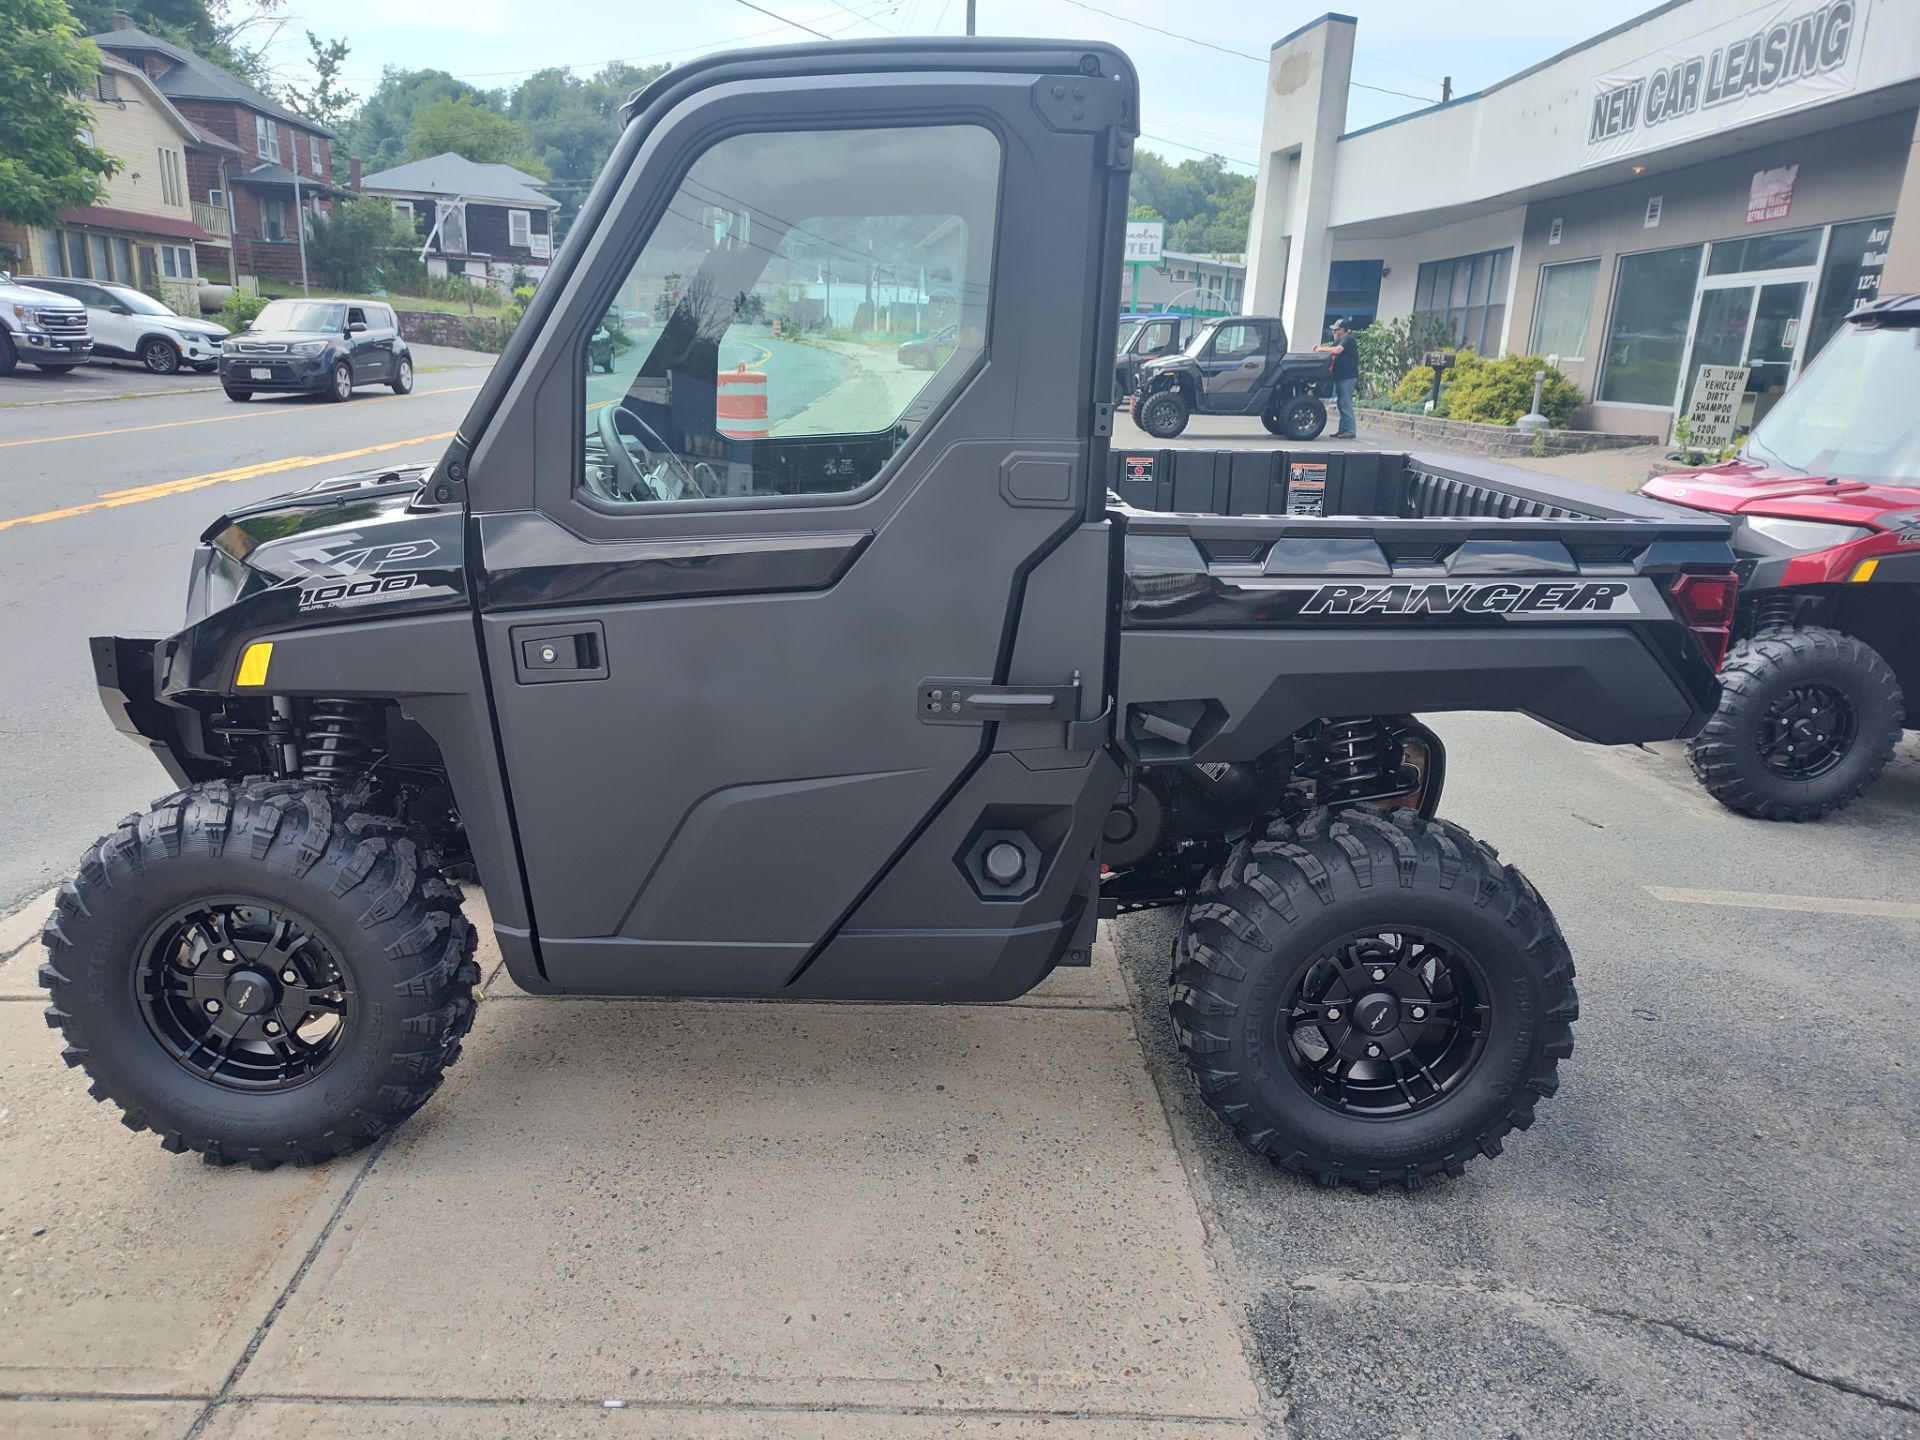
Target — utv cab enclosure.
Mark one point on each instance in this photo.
(759, 668)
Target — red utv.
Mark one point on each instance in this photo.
(1825, 499)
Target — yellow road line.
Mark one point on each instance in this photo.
(116, 498)
(1806, 904)
(219, 419)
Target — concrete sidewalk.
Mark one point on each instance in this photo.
(734, 1220)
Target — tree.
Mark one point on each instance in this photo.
(467, 127)
(379, 129)
(45, 165)
(1207, 207)
(356, 242)
(327, 101)
(571, 123)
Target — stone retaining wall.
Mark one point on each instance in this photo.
(462, 332)
(1475, 438)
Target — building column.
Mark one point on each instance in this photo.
(1901, 274)
(1288, 252)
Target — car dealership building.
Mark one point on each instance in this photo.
(1715, 183)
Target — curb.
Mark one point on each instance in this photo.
(20, 927)
(116, 395)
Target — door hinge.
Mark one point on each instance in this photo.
(981, 702)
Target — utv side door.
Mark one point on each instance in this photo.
(797, 652)
(1235, 363)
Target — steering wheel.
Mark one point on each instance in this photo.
(670, 479)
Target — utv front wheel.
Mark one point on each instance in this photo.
(1372, 1000)
(1162, 415)
(255, 973)
(1807, 720)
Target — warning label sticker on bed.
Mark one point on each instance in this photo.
(1307, 488)
(1138, 467)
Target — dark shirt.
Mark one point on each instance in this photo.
(1346, 360)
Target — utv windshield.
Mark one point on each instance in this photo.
(1852, 414)
(313, 317)
(1197, 346)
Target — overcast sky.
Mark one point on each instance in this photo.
(1196, 100)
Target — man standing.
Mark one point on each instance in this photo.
(1346, 374)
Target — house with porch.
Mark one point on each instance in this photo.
(262, 164)
(472, 219)
(145, 227)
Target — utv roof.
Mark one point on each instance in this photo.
(1888, 310)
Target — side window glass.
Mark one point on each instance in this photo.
(806, 301)
(1236, 342)
(356, 316)
(1159, 339)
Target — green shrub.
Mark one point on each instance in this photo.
(241, 309)
(1389, 348)
(350, 248)
(1415, 387)
(1499, 392)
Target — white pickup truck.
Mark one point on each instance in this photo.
(41, 328)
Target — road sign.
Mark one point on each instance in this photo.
(1143, 241)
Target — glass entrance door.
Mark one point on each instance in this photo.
(1758, 324)
(1772, 341)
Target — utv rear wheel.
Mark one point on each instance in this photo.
(1162, 415)
(257, 974)
(1808, 718)
(1372, 999)
(1302, 417)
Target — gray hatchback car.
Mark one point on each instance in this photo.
(319, 347)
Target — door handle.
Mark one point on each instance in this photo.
(545, 654)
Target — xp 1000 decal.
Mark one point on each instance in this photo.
(350, 572)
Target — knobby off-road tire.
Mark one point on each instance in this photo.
(1355, 894)
(384, 924)
(1777, 680)
(1163, 414)
(1301, 417)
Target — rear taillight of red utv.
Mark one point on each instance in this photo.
(1705, 600)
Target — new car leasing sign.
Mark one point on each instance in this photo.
(1776, 57)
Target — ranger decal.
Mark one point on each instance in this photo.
(1473, 597)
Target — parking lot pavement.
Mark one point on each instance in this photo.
(1709, 1231)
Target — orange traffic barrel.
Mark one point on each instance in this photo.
(740, 403)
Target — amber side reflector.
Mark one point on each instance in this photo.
(253, 664)
(1864, 570)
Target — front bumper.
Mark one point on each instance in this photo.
(125, 674)
(276, 372)
(37, 347)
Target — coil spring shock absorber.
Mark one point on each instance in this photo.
(1359, 759)
(1772, 610)
(336, 742)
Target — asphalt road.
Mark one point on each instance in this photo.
(101, 503)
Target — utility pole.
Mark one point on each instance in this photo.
(970, 4)
(1446, 88)
(299, 219)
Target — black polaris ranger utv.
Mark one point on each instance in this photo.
(887, 701)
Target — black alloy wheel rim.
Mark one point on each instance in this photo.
(244, 995)
(1807, 731)
(1385, 1024)
(1160, 411)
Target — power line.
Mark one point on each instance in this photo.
(1223, 49)
(1198, 150)
(783, 19)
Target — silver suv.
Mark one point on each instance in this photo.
(41, 328)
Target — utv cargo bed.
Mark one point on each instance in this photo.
(1398, 581)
